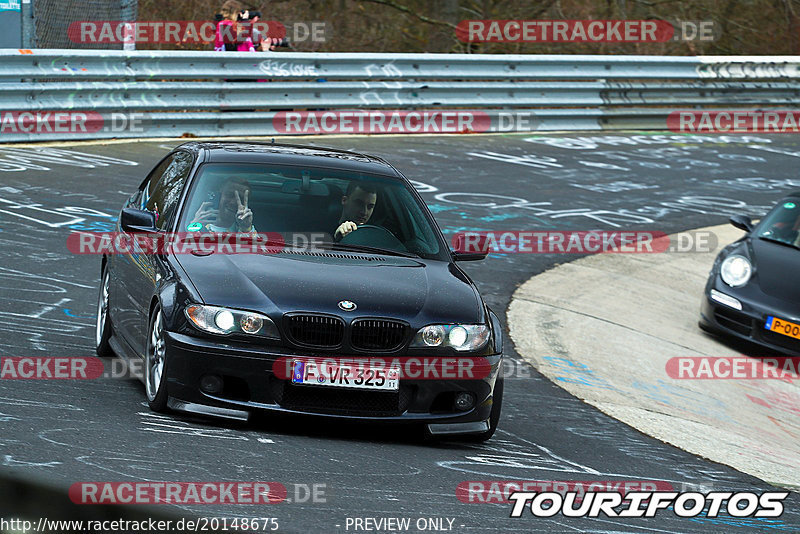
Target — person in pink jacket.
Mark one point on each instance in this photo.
(227, 36)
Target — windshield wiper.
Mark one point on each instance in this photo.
(373, 250)
(778, 241)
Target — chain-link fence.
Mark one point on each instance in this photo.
(51, 20)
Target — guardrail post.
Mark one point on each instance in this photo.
(28, 29)
(128, 9)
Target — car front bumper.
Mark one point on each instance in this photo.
(249, 384)
(748, 323)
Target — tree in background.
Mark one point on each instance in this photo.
(744, 27)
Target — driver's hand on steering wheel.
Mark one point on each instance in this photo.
(344, 229)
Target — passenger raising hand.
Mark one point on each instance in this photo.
(244, 215)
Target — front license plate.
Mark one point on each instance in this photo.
(782, 326)
(344, 375)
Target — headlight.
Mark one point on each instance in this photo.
(458, 336)
(218, 320)
(736, 270)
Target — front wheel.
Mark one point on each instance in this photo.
(102, 331)
(155, 365)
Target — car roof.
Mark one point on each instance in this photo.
(313, 156)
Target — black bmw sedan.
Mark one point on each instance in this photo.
(752, 290)
(353, 307)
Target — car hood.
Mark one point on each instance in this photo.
(775, 265)
(414, 290)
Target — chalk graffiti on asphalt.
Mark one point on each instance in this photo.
(592, 142)
(675, 155)
(706, 205)
(614, 187)
(759, 184)
(22, 159)
(50, 217)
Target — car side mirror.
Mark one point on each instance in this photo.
(470, 247)
(468, 256)
(742, 222)
(134, 220)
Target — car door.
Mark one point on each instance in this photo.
(121, 303)
(137, 270)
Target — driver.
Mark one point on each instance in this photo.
(233, 214)
(358, 203)
(786, 228)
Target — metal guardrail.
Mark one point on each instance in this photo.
(185, 92)
(162, 96)
(81, 64)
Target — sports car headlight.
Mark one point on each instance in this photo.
(736, 270)
(218, 320)
(458, 336)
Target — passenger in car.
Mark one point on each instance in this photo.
(231, 213)
(358, 203)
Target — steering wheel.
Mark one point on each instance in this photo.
(375, 226)
(374, 236)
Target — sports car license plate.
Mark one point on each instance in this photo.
(344, 375)
(781, 326)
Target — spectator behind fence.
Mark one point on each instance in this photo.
(262, 41)
(227, 36)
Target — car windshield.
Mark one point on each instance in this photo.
(782, 224)
(308, 205)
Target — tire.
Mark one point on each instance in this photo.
(155, 363)
(494, 417)
(102, 329)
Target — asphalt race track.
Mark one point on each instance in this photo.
(66, 431)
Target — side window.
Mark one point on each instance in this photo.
(411, 212)
(163, 197)
(142, 196)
